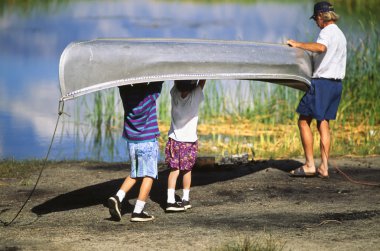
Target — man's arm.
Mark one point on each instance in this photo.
(313, 47)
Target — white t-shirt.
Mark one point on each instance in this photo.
(184, 114)
(331, 63)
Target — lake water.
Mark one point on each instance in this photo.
(32, 39)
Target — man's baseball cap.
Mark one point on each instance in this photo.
(321, 7)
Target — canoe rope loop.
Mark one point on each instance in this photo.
(61, 105)
(60, 112)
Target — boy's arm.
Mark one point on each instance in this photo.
(156, 87)
(202, 83)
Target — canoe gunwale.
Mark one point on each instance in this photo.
(132, 81)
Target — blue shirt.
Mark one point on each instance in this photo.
(140, 113)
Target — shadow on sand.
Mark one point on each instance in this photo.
(99, 193)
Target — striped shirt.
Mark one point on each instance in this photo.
(140, 116)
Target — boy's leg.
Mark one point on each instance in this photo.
(187, 180)
(146, 168)
(172, 181)
(172, 159)
(145, 188)
(138, 214)
(128, 184)
(114, 202)
(172, 205)
(186, 189)
(191, 153)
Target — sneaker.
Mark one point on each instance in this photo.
(114, 207)
(175, 207)
(186, 204)
(143, 216)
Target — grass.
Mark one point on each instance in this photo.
(249, 244)
(25, 169)
(19, 169)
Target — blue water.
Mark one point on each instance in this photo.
(31, 43)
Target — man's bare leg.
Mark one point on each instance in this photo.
(325, 141)
(307, 143)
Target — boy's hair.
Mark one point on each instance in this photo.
(185, 85)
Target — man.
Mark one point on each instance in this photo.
(322, 100)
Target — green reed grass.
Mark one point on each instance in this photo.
(105, 115)
(361, 85)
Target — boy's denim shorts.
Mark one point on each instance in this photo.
(144, 158)
(321, 101)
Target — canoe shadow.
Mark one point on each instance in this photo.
(99, 193)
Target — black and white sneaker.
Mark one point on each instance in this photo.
(114, 207)
(143, 216)
(175, 207)
(186, 204)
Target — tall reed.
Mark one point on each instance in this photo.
(361, 85)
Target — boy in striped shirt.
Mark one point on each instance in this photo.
(140, 131)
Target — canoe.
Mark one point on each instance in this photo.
(94, 65)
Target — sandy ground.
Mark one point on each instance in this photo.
(257, 200)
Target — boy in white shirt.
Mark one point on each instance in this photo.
(182, 147)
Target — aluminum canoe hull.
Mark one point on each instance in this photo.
(99, 64)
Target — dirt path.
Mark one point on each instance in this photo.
(258, 200)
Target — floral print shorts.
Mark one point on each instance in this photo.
(181, 155)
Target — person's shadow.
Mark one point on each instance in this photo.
(99, 193)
